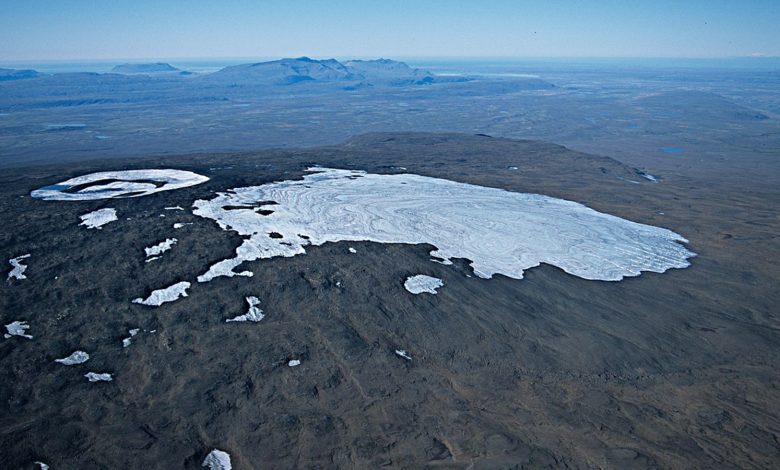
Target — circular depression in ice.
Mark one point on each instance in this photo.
(116, 184)
(501, 232)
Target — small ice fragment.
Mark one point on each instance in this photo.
(293, 363)
(402, 353)
(422, 283)
(338, 283)
(134, 331)
(126, 342)
(78, 357)
(17, 328)
(513, 168)
(161, 247)
(352, 250)
(18, 268)
(94, 377)
(174, 208)
(168, 294)
(253, 314)
(217, 460)
(99, 218)
(181, 224)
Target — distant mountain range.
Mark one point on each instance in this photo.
(304, 69)
(304, 74)
(13, 74)
(150, 68)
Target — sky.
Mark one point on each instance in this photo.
(113, 29)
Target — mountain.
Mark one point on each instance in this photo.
(287, 72)
(157, 67)
(14, 74)
(389, 72)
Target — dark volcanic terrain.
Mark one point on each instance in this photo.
(673, 370)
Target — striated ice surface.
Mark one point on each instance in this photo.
(161, 247)
(217, 460)
(422, 283)
(402, 353)
(95, 377)
(501, 232)
(78, 357)
(98, 218)
(253, 314)
(122, 183)
(17, 328)
(161, 296)
(18, 269)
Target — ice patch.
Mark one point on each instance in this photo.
(113, 184)
(501, 232)
(18, 269)
(294, 363)
(168, 294)
(217, 460)
(649, 177)
(127, 341)
(422, 283)
(95, 377)
(402, 353)
(17, 328)
(78, 357)
(161, 247)
(98, 218)
(253, 314)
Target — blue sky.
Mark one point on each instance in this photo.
(111, 29)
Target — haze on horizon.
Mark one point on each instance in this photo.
(82, 29)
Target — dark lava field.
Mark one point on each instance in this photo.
(672, 370)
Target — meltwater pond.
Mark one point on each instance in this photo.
(501, 232)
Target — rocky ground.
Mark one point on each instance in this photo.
(673, 370)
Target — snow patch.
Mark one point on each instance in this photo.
(97, 219)
(168, 294)
(502, 232)
(127, 341)
(294, 363)
(181, 224)
(114, 184)
(253, 314)
(174, 208)
(217, 460)
(161, 247)
(422, 283)
(352, 250)
(402, 353)
(95, 377)
(17, 328)
(18, 268)
(77, 357)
